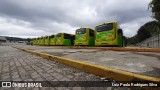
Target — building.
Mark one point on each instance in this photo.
(2, 39)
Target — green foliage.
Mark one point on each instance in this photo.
(155, 6)
(132, 40)
(143, 33)
(147, 30)
(153, 27)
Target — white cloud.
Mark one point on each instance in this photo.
(31, 18)
(9, 27)
(62, 27)
(131, 28)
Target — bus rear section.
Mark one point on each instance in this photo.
(108, 34)
(42, 41)
(84, 37)
(64, 39)
(34, 41)
(120, 38)
(53, 40)
(47, 40)
(38, 40)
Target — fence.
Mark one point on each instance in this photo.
(152, 42)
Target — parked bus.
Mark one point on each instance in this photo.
(47, 41)
(34, 41)
(64, 39)
(84, 37)
(53, 40)
(38, 41)
(42, 41)
(108, 34)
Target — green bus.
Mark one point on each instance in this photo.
(53, 40)
(34, 41)
(38, 41)
(47, 41)
(64, 39)
(84, 37)
(108, 34)
(42, 41)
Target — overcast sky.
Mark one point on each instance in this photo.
(33, 18)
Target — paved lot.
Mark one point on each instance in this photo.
(146, 63)
(16, 65)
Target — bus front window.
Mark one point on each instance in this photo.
(59, 35)
(105, 27)
(52, 36)
(81, 31)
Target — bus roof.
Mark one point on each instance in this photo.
(52, 35)
(66, 33)
(84, 27)
(106, 23)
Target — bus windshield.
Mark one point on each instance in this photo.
(59, 35)
(81, 31)
(105, 27)
(52, 36)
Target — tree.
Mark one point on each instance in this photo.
(143, 34)
(155, 6)
(153, 27)
(149, 29)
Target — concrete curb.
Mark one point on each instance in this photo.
(110, 48)
(102, 71)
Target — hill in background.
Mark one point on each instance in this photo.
(146, 31)
(13, 39)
